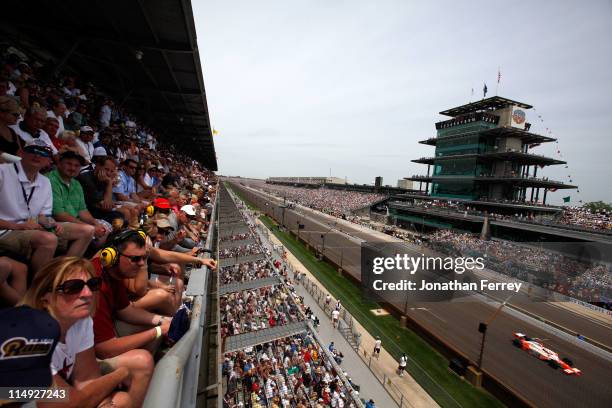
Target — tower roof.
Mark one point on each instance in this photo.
(492, 103)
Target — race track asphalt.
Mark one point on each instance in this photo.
(457, 323)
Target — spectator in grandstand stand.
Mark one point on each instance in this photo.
(67, 140)
(142, 189)
(51, 127)
(9, 114)
(105, 113)
(118, 324)
(85, 143)
(104, 139)
(25, 213)
(68, 198)
(98, 154)
(77, 118)
(66, 289)
(98, 191)
(152, 177)
(58, 110)
(4, 86)
(13, 281)
(30, 127)
(125, 190)
(183, 238)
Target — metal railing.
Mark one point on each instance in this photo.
(175, 379)
(354, 337)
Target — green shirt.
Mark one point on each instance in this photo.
(66, 198)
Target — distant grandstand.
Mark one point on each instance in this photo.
(305, 180)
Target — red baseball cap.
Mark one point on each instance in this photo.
(161, 203)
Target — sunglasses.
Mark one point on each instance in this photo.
(135, 258)
(38, 151)
(75, 286)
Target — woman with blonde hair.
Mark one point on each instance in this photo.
(66, 288)
(10, 112)
(68, 140)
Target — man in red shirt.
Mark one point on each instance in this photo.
(113, 304)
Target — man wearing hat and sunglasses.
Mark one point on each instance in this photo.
(26, 201)
(27, 205)
(68, 197)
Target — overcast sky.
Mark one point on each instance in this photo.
(298, 87)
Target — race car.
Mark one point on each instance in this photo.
(536, 348)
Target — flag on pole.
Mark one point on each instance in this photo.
(498, 74)
(215, 132)
(566, 199)
(484, 91)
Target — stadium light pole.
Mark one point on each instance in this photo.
(482, 328)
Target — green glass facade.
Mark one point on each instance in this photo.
(468, 143)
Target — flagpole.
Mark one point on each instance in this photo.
(498, 79)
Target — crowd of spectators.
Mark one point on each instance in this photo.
(576, 217)
(290, 372)
(246, 271)
(590, 281)
(243, 250)
(235, 237)
(257, 309)
(584, 217)
(333, 202)
(99, 222)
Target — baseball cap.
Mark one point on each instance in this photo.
(39, 147)
(86, 129)
(188, 209)
(163, 223)
(28, 338)
(161, 203)
(99, 151)
(69, 154)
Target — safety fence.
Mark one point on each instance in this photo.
(176, 376)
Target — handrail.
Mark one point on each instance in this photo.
(175, 379)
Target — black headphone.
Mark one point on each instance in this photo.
(109, 256)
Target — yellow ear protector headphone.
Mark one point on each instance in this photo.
(109, 256)
(150, 210)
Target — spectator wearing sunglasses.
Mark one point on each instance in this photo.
(26, 199)
(9, 114)
(125, 190)
(122, 330)
(66, 289)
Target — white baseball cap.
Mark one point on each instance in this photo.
(188, 209)
(99, 151)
